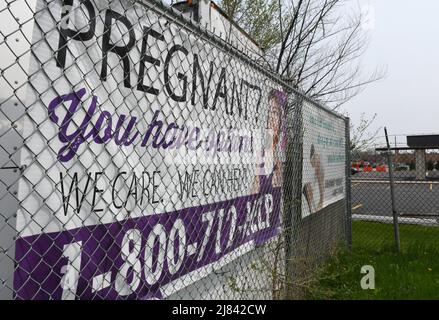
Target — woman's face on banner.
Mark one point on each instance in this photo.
(315, 160)
(274, 120)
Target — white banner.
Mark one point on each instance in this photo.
(143, 151)
(324, 164)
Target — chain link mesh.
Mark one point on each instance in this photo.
(415, 188)
(143, 156)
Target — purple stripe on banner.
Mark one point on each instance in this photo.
(135, 257)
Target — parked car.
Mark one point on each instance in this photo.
(402, 167)
(354, 171)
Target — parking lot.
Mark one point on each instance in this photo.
(371, 197)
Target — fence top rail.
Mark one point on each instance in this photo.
(177, 17)
(405, 148)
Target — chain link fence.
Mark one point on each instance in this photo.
(415, 192)
(143, 156)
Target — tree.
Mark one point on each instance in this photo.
(362, 138)
(259, 18)
(314, 44)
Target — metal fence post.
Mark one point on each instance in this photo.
(292, 188)
(348, 184)
(392, 195)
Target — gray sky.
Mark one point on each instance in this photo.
(405, 39)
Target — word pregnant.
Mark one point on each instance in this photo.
(237, 95)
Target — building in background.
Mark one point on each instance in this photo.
(209, 15)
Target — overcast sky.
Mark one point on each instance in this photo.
(405, 39)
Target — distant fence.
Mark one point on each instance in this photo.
(143, 157)
(416, 194)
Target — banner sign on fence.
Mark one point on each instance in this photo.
(324, 159)
(151, 155)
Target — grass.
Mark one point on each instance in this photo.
(411, 274)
